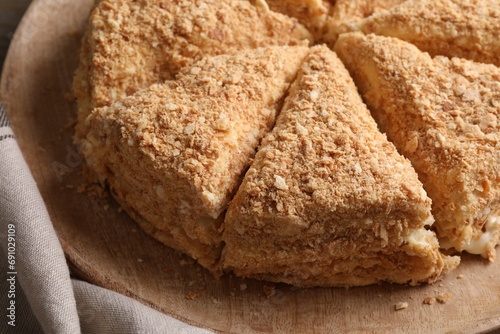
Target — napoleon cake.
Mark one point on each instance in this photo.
(129, 45)
(443, 115)
(347, 14)
(453, 28)
(174, 154)
(328, 201)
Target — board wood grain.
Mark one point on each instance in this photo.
(105, 247)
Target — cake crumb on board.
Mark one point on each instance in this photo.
(401, 306)
(442, 298)
(269, 289)
(429, 300)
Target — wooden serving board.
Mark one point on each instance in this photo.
(105, 247)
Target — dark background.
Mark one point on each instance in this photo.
(11, 12)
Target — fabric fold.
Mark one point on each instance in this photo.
(104, 311)
(39, 266)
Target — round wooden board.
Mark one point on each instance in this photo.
(105, 247)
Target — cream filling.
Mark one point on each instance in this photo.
(487, 239)
(422, 238)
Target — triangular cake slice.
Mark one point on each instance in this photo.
(129, 45)
(346, 14)
(328, 201)
(452, 28)
(174, 154)
(310, 13)
(443, 115)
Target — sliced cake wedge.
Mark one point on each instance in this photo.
(443, 115)
(328, 201)
(174, 153)
(131, 44)
(453, 28)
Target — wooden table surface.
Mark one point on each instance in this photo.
(11, 12)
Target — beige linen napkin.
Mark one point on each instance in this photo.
(42, 292)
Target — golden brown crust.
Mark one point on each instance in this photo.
(443, 115)
(174, 153)
(129, 45)
(328, 200)
(310, 13)
(453, 28)
(346, 14)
